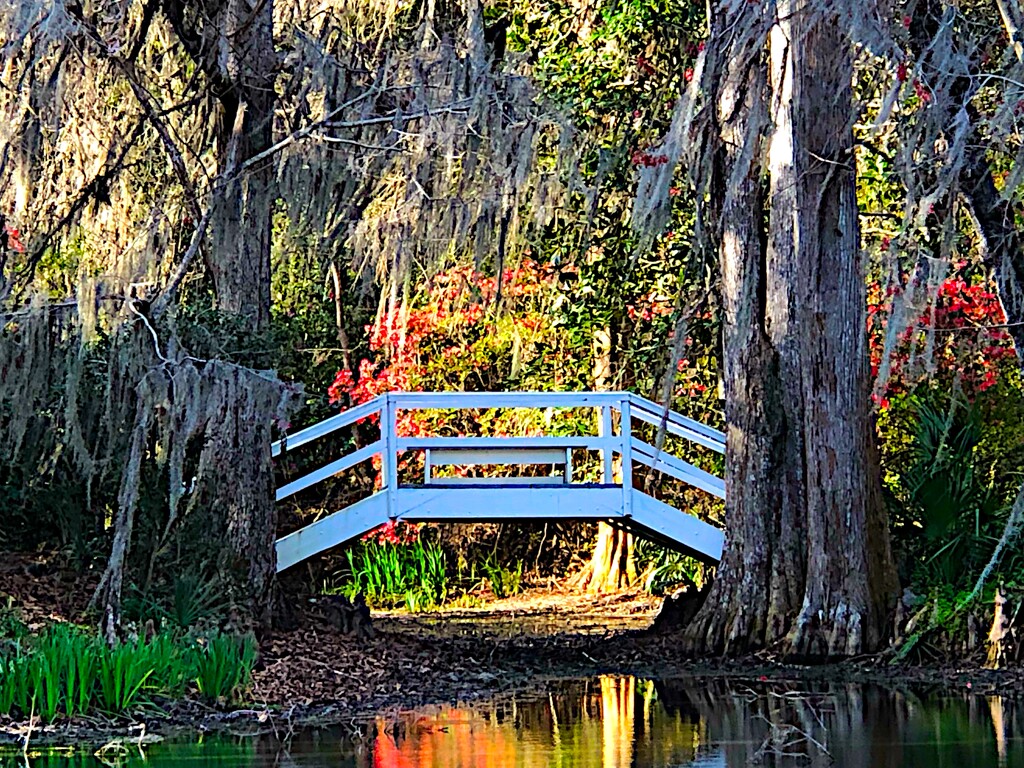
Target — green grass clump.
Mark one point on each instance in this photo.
(413, 574)
(224, 666)
(504, 582)
(67, 671)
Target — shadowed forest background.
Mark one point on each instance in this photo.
(224, 220)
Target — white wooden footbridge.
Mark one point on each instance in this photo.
(555, 496)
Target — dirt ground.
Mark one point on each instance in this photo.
(313, 674)
(454, 653)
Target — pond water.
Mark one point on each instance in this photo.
(617, 722)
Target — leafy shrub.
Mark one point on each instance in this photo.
(11, 625)
(951, 467)
(504, 581)
(69, 671)
(190, 600)
(390, 573)
(194, 599)
(224, 666)
(664, 568)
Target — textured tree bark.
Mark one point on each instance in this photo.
(241, 221)
(232, 42)
(850, 580)
(241, 499)
(743, 605)
(611, 567)
(807, 565)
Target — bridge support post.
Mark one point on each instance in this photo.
(606, 431)
(389, 459)
(626, 434)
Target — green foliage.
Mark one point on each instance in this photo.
(941, 480)
(951, 469)
(12, 627)
(224, 666)
(190, 601)
(413, 574)
(67, 671)
(504, 581)
(665, 568)
(194, 599)
(123, 671)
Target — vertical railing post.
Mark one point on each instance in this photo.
(626, 434)
(604, 430)
(389, 463)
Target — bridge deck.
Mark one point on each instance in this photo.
(440, 499)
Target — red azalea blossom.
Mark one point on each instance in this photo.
(647, 160)
(404, 343)
(922, 92)
(14, 239)
(968, 339)
(394, 533)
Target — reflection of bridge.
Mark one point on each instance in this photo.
(555, 495)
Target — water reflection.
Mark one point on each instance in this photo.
(620, 722)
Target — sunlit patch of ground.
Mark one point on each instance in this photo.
(538, 612)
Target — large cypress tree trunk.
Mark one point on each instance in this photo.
(232, 42)
(750, 600)
(807, 562)
(850, 579)
(241, 221)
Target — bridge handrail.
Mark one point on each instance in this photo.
(585, 442)
(677, 424)
(660, 461)
(346, 418)
(462, 400)
(337, 466)
(626, 444)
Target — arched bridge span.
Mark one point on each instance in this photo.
(557, 495)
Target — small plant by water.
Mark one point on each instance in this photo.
(224, 666)
(664, 569)
(504, 582)
(67, 671)
(412, 574)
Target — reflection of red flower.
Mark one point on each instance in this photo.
(387, 753)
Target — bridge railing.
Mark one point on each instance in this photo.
(547, 449)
